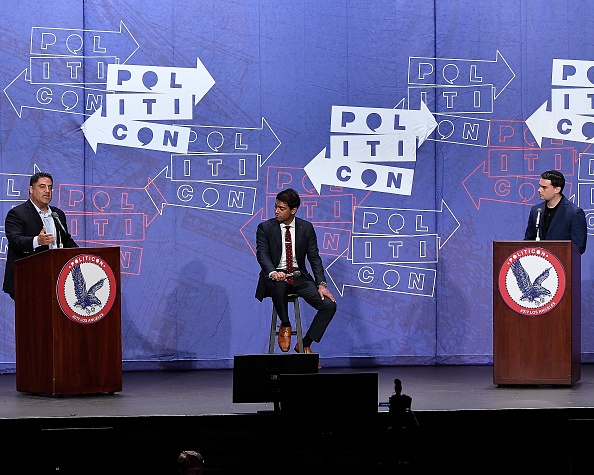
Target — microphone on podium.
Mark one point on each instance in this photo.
(59, 223)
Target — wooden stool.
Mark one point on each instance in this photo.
(273, 328)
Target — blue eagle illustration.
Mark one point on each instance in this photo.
(531, 291)
(85, 299)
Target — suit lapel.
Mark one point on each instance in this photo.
(278, 240)
(34, 214)
(299, 251)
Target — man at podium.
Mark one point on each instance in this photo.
(556, 218)
(34, 227)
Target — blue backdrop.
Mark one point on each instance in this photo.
(414, 131)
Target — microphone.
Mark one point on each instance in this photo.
(59, 223)
(295, 273)
(538, 213)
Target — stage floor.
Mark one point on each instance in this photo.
(209, 392)
(466, 425)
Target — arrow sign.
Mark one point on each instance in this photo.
(362, 176)
(481, 186)
(112, 200)
(572, 73)
(372, 120)
(200, 195)
(394, 249)
(69, 42)
(214, 167)
(374, 148)
(135, 134)
(381, 277)
(560, 125)
(456, 71)
(394, 221)
(160, 79)
(573, 101)
(52, 97)
(209, 138)
(149, 106)
(248, 230)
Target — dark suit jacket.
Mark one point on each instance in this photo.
(22, 224)
(569, 223)
(269, 248)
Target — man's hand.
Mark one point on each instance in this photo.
(324, 292)
(44, 239)
(278, 276)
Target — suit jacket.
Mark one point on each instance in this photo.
(22, 224)
(269, 248)
(569, 223)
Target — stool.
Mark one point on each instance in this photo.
(274, 331)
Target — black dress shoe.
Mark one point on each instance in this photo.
(306, 349)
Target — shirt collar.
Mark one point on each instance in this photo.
(292, 225)
(39, 211)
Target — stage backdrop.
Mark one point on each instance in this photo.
(415, 133)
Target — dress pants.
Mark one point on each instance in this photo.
(308, 291)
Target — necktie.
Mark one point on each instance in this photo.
(289, 253)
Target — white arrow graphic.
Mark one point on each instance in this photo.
(374, 148)
(160, 79)
(371, 120)
(560, 125)
(361, 176)
(135, 134)
(68, 42)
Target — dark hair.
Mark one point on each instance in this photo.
(557, 178)
(188, 460)
(290, 197)
(35, 178)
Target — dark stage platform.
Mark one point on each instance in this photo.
(466, 424)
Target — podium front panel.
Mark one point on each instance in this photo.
(56, 353)
(538, 344)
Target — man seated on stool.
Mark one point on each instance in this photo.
(282, 243)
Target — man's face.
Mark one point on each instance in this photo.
(41, 192)
(546, 191)
(283, 213)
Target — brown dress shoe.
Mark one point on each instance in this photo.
(284, 338)
(306, 349)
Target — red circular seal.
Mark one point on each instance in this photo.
(532, 281)
(86, 288)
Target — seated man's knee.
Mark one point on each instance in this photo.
(330, 304)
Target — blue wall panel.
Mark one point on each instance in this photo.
(293, 81)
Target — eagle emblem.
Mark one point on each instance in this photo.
(533, 292)
(85, 299)
(524, 295)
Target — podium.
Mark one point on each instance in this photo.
(68, 340)
(537, 313)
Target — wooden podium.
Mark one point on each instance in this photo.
(55, 354)
(540, 345)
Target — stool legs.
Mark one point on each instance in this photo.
(273, 331)
(298, 327)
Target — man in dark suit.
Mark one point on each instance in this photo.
(557, 218)
(30, 227)
(271, 251)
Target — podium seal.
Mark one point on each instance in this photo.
(86, 288)
(532, 281)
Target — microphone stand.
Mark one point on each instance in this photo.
(539, 211)
(58, 233)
